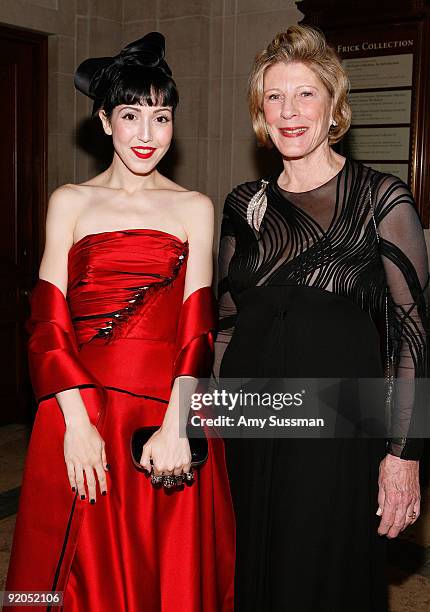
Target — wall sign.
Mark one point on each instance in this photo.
(385, 50)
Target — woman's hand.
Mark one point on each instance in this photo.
(84, 453)
(399, 495)
(170, 453)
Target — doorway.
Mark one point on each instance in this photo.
(23, 154)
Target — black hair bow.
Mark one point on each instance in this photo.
(94, 75)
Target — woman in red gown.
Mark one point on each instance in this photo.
(122, 314)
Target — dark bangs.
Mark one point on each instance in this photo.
(137, 85)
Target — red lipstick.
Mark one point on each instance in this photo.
(143, 152)
(293, 132)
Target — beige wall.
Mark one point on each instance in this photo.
(77, 29)
(237, 32)
(210, 46)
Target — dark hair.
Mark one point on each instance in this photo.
(138, 74)
(137, 85)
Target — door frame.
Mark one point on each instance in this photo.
(39, 43)
(31, 170)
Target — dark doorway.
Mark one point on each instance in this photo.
(23, 113)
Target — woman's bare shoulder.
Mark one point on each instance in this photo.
(183, 194)
(197, 215)
(63, 201)
(164, 183)
(66, 204)
(78, 195)
(68, 194)
(188, 204)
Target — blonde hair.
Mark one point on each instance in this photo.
(307, 45)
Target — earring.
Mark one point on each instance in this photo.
(333, 124)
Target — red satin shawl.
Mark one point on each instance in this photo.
(195, 337)
(52, 349)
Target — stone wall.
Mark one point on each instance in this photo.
(210, 46)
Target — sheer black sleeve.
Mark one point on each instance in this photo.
(226, 304)
(404, 256)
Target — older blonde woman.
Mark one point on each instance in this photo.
(313, 258)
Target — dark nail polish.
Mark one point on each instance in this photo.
(104, 492)
(107, 466)
(82, 496)
(92, 501)
(73, 489)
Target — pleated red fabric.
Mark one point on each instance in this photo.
(123, 337)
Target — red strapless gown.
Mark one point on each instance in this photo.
(139, 549)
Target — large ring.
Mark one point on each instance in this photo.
(189, 476)
(180, 479)
(156, 480)
(169, 481)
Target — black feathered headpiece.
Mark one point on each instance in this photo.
(96, 75)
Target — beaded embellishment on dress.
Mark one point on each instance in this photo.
(138, 298)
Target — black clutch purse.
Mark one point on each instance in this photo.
(198, 447)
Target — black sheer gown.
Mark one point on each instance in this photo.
(301, 298)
